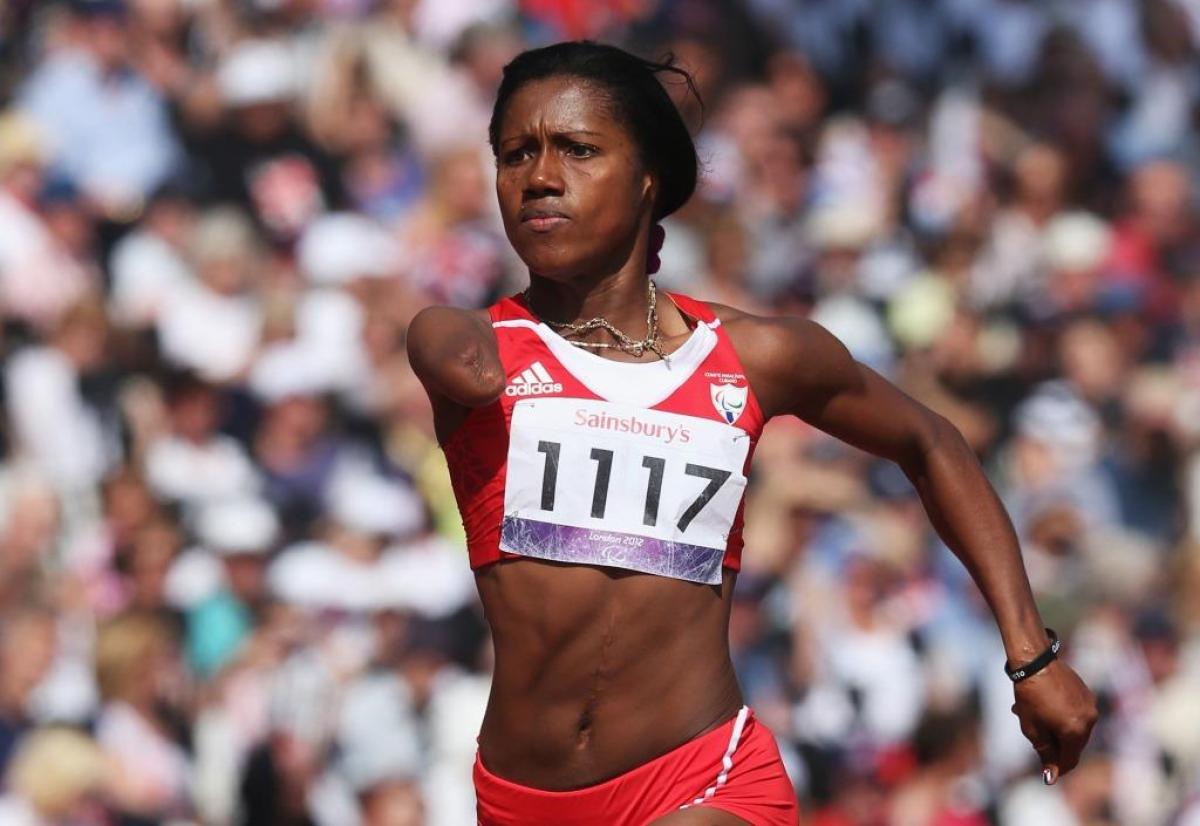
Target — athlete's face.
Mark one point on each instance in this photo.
(574, 194)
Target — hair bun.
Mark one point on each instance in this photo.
(658, 235)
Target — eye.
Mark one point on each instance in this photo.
(581, 150)
(515, 156)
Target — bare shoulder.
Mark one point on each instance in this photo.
(788, 359)
(760, 330)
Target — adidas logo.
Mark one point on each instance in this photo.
(533, 381)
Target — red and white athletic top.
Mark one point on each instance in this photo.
(592, 461)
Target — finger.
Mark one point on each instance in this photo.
(1045, 744)
(1048, 753)
(1034, 733)
(1070, 747)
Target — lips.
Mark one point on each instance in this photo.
(542, 220)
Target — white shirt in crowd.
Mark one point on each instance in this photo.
(55, 429)
(883, 668)
(38, 279)
(146, 270)
(1033, 802)
(215, 335)
(184, 471)
(426, 576)
(16, 811)
(455, 716)
(157, 765)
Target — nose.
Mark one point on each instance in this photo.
(545, 175)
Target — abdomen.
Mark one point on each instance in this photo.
(599, 670)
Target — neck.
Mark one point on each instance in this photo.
(620, 298)
(12, 702)
(70, 352)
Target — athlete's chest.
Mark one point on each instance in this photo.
(639, 466)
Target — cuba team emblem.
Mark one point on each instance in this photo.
(730, 401)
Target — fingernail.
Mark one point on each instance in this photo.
(1047, 778)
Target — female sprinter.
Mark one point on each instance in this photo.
(599, 435)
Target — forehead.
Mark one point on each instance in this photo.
(562, 104)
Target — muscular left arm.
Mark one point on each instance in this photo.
(799, 368)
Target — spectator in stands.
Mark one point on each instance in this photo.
(139, 679)
(58, 776)
(108, 129)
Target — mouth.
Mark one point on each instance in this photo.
(542, 220)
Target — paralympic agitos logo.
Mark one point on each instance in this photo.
(730, 401)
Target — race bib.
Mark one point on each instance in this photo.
(601, 483)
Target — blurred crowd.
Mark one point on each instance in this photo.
(233, 588)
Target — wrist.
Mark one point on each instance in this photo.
(1024, 669)
(1024, 639)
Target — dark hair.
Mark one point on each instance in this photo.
(637, 98)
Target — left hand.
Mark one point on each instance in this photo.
(1057, 713)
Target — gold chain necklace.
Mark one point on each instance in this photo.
(624, 342)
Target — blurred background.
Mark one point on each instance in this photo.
(233, 588)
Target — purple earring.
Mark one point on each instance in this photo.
(657, 236)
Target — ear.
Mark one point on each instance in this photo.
(649, 187)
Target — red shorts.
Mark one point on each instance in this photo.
(735, 768)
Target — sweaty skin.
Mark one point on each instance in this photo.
(599, 670)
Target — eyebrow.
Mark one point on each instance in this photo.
(558, 133)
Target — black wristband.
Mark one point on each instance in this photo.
(1024, 672)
